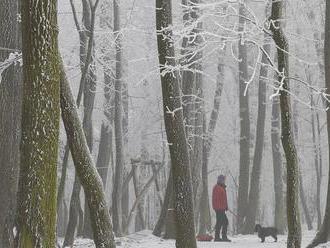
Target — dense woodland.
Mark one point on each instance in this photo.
(117, 116)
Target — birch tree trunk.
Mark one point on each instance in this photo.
(294, 226)
(36, 211)
(173, 116)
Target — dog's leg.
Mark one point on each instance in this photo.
(262, 239)
(275, 237)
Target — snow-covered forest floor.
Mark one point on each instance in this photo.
(145, 239)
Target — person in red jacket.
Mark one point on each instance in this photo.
(220, 206)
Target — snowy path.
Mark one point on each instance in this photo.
(145, 239)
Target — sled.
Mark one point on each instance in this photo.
(204, 237)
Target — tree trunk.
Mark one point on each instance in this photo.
(316, 162)
(279, 218)
(301, 184)
(320, 171)
(204, 205)
(117, 186)
(125, 191)
(244, 144)
(189, 87)
(104, 154)
(323, 234)
(294, 226)
(85, 168)
(173, 116)
(36, 211)
(86, 34)
(10, 120)
(254, 193)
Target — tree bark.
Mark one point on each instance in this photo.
(117, 186)
(86, 170)
(279, 218)
(173, 116)
(323, 235)
(294, 226)
(244, 144)
(36, 211)
(254, 193)
(10, 119)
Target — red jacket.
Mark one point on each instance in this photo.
(219, 198)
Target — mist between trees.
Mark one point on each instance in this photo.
(118, 116)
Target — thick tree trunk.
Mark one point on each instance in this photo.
(183, 203)
(323, 234)
(10, 120)
(244, 144)
(254, 193)
(294, 226)
(279, 218)
(86, 171)
(117, 186)
(40, 125)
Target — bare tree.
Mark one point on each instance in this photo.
(117, 187)
(183, 203)
(323, 234)
(294, 226)
(279, 217)
(244, 115)
(254, 193)
(86, 170)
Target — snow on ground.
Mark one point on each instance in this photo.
(145, 239)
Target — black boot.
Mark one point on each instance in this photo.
(217, 236)
(225, 239)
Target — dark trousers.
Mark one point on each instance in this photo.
(221, 224)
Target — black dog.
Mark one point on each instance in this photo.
(264, 232)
